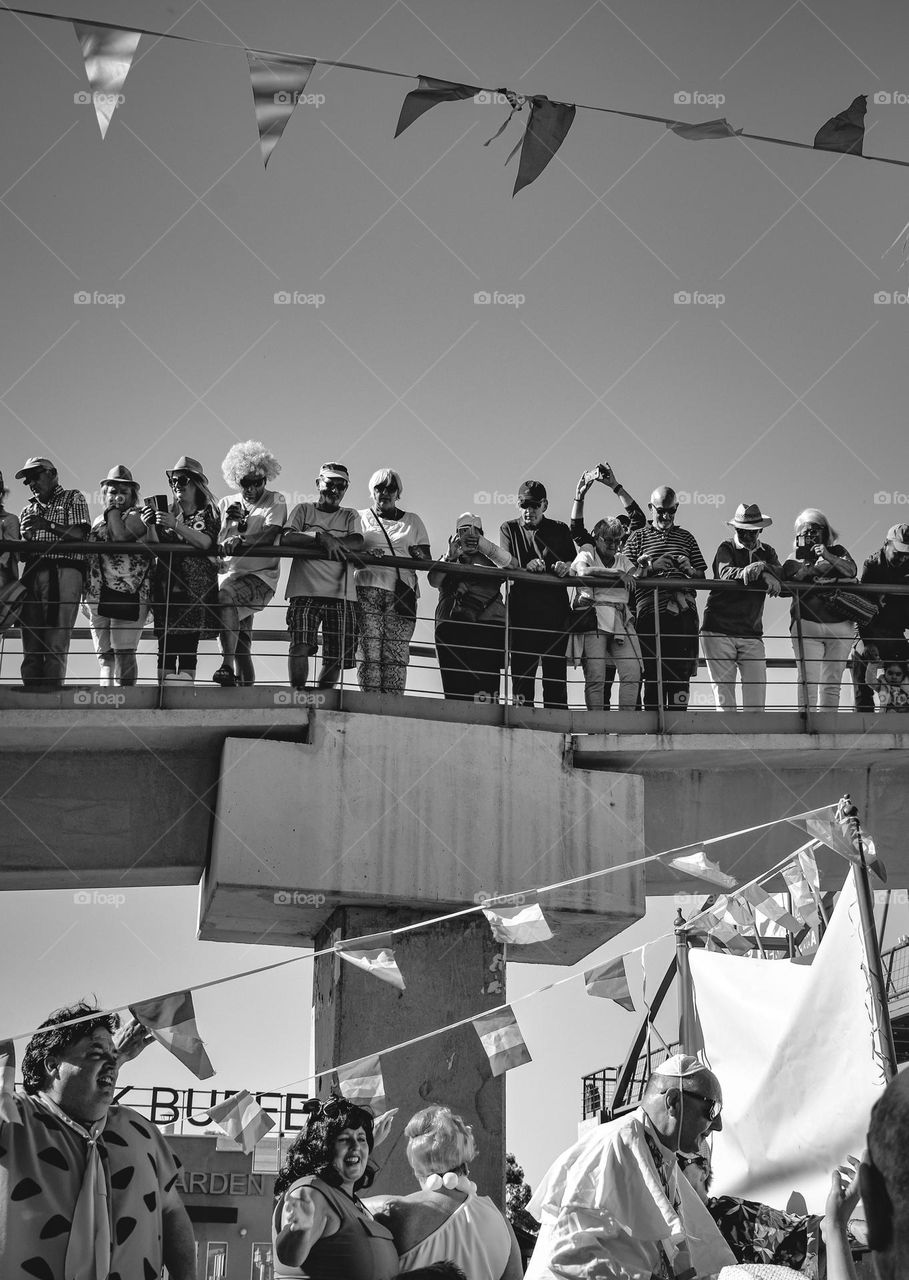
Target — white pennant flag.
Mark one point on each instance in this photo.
(803, 901)
(361, 1082)
(108, 55)
(242, 1119)
(761, 900)
(698, 864)
(501, 1039)
(380, 962)
(518, 924)
(610, 981)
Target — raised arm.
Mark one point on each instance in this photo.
(305, 1219)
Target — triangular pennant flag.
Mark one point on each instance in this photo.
(546, 131)
(242, 1119)
(707, 129)
(518, 924)
(731, 939)
(8, 1112)
(380, 963)
(277, 83)
(427, 95)
(844, 837)
(698, 864)
(501, 1039)
(361, 1082)
(846, 131)
(741, 913)
(108, 55)
(172, 1021)
(610, 981)
(761, 900)
(803, 901)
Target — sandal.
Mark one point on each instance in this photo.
(225, 678)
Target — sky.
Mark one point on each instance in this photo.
(782, 383)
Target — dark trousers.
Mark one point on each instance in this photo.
(890, 648)
(678, 653)
(174, 645)
(471, 656)
(48, 615)
(535, 641)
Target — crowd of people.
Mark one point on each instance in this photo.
(618, 622)
(89, 1188)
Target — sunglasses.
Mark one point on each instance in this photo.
(387, 487)
(252, 482)
(714, 1107)
(663, 511)
(33, 475)
(335, 1108)
(342, 484)
(530, 506)
(702, 1162)
(180, 480)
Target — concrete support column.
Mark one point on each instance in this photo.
(451, 971)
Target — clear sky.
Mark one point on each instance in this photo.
(790, 392)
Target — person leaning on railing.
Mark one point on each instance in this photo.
(9, 532)
(386, 609)
(470, 615)
(826, 638)
(883, 639)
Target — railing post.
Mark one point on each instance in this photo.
(800, 661)
(506, 674)
(661, 703)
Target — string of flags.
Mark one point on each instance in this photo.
(278, 80)
(171, 1018)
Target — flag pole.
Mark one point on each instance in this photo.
(847, 812)
(690, 1037)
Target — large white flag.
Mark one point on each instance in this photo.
(798, 1056)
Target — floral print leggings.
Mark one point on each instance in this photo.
(383, 648)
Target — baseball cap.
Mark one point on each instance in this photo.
(899, 536)
(469, 521)
(334, 471)
(532, 491)
(35, 464)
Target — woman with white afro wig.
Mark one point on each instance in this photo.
(253, 517)
(446, 1218)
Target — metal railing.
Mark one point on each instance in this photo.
(598, 1087)
(791, 685)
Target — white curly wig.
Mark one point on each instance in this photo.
(249, 456)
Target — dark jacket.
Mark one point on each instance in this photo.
(893, 618)
(737, 613)
(549, 541)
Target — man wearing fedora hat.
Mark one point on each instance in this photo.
(732, 632)
(52, 577)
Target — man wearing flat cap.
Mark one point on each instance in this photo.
(883, 639)
(615, 1205)
(539, 611)
(732, 633)
(51, 576)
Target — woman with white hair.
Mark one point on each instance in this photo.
(446, 1219)
(387, 598)
(254, 517)
(826, 638)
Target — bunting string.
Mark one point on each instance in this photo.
(363, 940)
(835, 135)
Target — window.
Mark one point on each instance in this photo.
(216, 1261)
(262, 1267)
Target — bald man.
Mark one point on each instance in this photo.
(615, 1205)
(883, 1182)
(664, 550)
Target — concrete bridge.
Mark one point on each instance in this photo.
(308, 823)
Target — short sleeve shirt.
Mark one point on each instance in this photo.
(409, 531)
(271, 511)
(324, 579)
(42, 1162)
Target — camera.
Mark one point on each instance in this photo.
(804, 546)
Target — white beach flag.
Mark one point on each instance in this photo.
(242, 1119)
(798, 1057)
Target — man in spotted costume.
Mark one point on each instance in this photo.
(87, 1189)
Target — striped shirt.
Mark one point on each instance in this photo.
(654, 543)
(64, 507)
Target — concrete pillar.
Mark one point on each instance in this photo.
(451, 971)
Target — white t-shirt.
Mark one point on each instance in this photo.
(270, 510)
(409, 531)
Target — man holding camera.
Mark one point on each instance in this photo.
(51, 576)
(663, 550)
(883, 639)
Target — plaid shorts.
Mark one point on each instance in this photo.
(338, 621)
(248, 592)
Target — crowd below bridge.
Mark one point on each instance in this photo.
(629, 600)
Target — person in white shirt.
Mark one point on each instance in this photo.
(605, 634)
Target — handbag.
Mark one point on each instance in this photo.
(404, 593)
(849, 606)
(117, 606)
(12, 596)
(582, 618)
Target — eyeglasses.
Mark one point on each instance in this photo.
(714, 1107)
